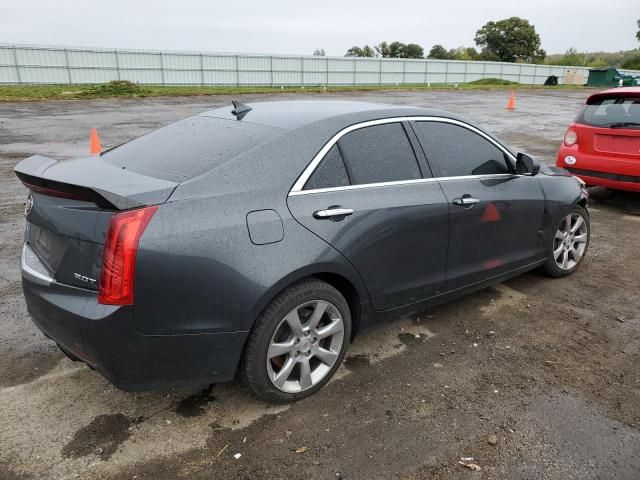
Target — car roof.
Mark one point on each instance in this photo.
(304, 129)
(614, 92)
(294, 114)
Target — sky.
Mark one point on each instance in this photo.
(300, 27)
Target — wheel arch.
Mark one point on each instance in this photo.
(348, 284)
(349, 292)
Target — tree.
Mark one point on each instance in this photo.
(392, 50)
(319, 52)
(510, 39)
(471, 53)
(400, 50)
(462, 53)
(632, 62)
(638, 32)
(365, 51)
(573, 54)
(571, 58)
(439, 52)
(413, 50)
(600, 63)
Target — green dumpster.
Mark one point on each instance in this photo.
(630, 81)
(603, 77)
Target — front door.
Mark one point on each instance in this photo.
(496, 216)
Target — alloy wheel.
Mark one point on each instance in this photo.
(305, 346)
(570, 241)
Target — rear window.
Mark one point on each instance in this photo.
(189, 147)
(613, 111)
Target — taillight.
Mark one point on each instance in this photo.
(119, 255)
(570, 138)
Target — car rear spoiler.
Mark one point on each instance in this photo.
(93, 179)
(614, 93)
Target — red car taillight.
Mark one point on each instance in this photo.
(119, 255)
(570, 138)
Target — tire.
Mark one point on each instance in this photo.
(554, 264)
(309, 355)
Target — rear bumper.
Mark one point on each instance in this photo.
(597, 170)
(104, 337)
(609, 180)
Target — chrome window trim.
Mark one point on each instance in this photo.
(402, 182)
(298, 186)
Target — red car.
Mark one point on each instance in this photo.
(602, 146)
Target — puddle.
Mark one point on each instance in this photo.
(101, 437)
(410, 339)
(356, 362)
(390, 339)
(194, 405)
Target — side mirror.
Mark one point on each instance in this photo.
(526, 165)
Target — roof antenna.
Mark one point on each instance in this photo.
(240, 109)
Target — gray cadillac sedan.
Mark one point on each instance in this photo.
(259, 239)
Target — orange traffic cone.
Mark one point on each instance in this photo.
(95, 143)
(511, 104)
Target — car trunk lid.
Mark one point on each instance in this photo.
(70, 205)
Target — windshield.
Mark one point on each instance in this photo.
(612, 112)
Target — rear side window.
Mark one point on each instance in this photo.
(189, 147)
(330, 173)
(457, 151)
(380, 153)
(605, 112)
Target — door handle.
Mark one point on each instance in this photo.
(465, 201)
(332, 212)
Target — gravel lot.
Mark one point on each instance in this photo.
(535, 378)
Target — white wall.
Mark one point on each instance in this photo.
(21, 64)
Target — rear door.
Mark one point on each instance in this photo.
(495, 215)
(370, 198)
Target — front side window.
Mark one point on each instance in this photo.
(381, 153)
(457, 151)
